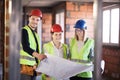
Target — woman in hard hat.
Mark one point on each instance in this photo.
(81, 49)
(30, 51)
(55, 47)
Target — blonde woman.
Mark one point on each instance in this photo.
(81, 49)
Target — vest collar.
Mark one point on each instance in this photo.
(55, 46)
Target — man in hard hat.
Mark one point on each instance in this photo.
(81, 49)
(55, 47)
(30, 47)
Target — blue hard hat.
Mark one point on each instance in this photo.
(81, 24)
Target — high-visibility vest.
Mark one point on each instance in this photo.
(50, 49)
(25, 58)
(82, 55)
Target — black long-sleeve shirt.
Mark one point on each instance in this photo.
(25, 42)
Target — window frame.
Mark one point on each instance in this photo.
(110, 7)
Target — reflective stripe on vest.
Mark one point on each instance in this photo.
(81, 61)
(29, 59)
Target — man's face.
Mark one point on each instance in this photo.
(57, 36)
(33, 21)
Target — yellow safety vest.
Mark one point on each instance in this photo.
(82, 55)
(49, 47)
(25, 58)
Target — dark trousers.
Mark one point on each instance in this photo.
(79, 78)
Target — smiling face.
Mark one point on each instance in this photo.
(33, 21)
(79, 33)
(56, 36)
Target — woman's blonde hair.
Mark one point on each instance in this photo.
(76, 36)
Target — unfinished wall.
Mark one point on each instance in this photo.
(111, 55)
(47, 24)
(76, 11)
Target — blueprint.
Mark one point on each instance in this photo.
(60, 68)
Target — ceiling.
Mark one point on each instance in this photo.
(50, 3)
(40, 3)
